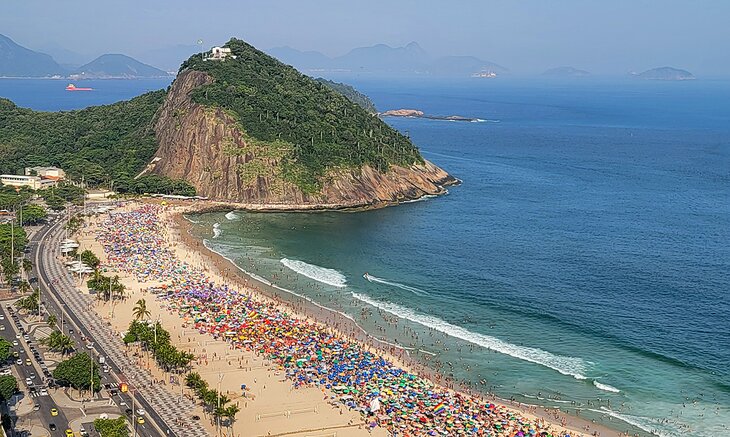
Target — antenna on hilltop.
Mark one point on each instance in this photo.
(200, 43)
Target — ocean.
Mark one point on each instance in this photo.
(584, 263)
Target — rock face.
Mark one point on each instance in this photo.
(203, 145)
(402, 113)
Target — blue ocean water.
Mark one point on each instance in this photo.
(584, 263)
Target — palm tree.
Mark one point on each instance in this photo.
(27, 266)
(140, 310)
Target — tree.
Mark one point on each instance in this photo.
(8, 387)
(76, 372)
(59, 342)
(52, 320)
(31, 214)
(112, 427)
(27, 265)
(5, 350)
(140, 310)
(90, 259)
(29, 303)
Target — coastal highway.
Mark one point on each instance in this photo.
(44, 402)
(170, 414)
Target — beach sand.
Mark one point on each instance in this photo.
(271, 405)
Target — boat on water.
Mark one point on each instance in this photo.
(72, 87)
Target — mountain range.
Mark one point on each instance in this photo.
(410, 59)
(19, 61)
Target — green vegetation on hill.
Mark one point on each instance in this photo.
(107, 145)
(351, 93)
(305, 124)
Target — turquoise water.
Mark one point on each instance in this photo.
(584, 262)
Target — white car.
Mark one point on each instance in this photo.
(15, 342)
(28, 381)
(19, 362)
(5, 372)
(2, 327)
(44, 392)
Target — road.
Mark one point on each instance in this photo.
(45, 402)
(169, 413)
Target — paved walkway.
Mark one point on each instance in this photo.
(175, 412)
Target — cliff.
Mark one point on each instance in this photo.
(209, 147)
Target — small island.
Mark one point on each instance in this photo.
(415, 113)
(665, 73)
(566, 72)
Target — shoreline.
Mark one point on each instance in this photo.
(348, 327)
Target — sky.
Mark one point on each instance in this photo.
(527, 36)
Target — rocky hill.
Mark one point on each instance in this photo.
(256, 132)
(116, 66)
(18, 61)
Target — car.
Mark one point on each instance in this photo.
(2, 317)
(5, 371)
(52, 426)
(28, 381)
(106, 369)
(36, 407)
(15, 342)
(140, 420)
(26, 337)
(70, 331)
(28, 362)
(2, 327)
(32, 376)
(54, 412)
(44, 392)
(140, 412)
(195, 417)
(19, 362)
(89, 345)
(69, 433)
(113, 392)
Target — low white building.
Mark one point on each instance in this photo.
(33, 182)
(219, 54)
(46, 172)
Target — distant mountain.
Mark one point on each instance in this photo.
(117, 66)
(68, 59)
(566, 72)
(665, 73)
(18, 61)
(351, 93)
(464, 66)
(309, 60)
(168, 58)
(383, 59)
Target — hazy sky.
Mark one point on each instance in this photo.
(606, 36)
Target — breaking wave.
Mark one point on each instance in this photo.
(569, 366)
(413, 290)
(232, 216)
(216, 230)
(320, 274)
(606, 387)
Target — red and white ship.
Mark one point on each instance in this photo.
(72, 87)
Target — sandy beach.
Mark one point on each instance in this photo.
(272, 404)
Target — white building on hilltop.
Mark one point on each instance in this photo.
(219, 54)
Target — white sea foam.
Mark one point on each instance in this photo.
(320, 274)
(606, 387)
(216, 230)
(232, 216)
(413, 290)
(646, 423)
(570, 366)
(420, 199)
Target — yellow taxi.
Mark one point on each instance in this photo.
(140, 420)
(27, 362)
(69, 433)
(54, 412)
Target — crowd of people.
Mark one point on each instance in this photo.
(310, 354)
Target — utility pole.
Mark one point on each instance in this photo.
(220, 378)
